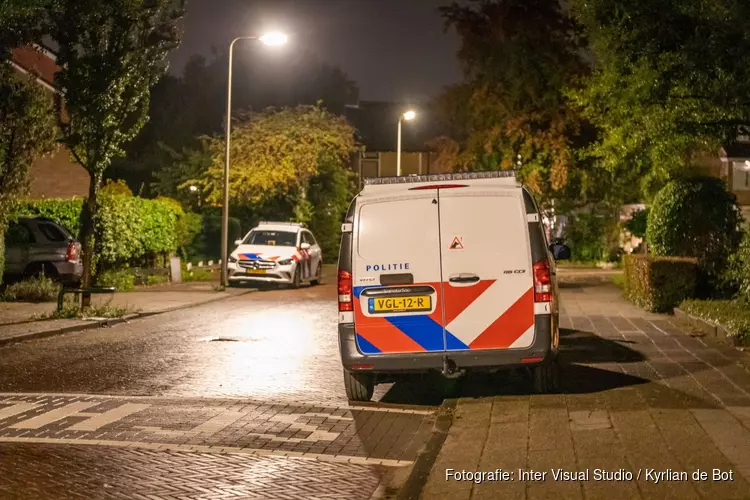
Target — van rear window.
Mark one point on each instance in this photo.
(398, 230)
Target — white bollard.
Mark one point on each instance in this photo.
(210, 263)
(189, 266)
(200, 264)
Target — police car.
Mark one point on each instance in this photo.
(276, 252)
(451, 273)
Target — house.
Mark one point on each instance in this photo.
(377, 127)
(55, 175)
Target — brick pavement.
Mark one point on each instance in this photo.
(640, 395)
(31, 472)
(375, 435)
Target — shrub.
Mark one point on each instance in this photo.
(157, 279)
(731, 314)
(130, 229)
(659, 284)
(39, 289)
(696, 218)
(585, 234)
(122, 280)
(638, 223)
(736, 277)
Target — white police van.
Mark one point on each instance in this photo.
(449, 273)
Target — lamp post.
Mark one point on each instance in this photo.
(267, 39)
(408, 116)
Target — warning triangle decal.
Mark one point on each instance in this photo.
(457, 244)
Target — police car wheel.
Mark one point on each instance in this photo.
(318, 275)
(358, 386)
(546, 377)
(296, 280)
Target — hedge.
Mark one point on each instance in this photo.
(733, 315)
(658, 284)
(130, 229)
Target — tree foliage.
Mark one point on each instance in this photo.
(671, 80)
(518, 58)
(276, 152)
(27, 130)
(111, 53)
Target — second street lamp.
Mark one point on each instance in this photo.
(272, 39)
(408, 116)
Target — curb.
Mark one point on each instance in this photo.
(707, 327)
(105, 323)
(420, 472)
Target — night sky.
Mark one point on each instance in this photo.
(395, 50)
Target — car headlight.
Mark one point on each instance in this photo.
(285, 262)
(232, 259)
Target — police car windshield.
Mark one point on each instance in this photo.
(271, 238)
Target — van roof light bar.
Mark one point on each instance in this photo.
(411, 179)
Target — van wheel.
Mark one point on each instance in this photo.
(546, 377)
(318, 276)
(359, 386)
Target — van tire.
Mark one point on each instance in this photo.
(358, 386)
(546, 377)
(318, 276)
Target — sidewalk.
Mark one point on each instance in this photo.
(642, 403)
(16, 321)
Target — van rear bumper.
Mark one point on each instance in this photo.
(426, 361)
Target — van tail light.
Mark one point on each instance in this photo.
(74, 252)
(542, 282)
(345, 291)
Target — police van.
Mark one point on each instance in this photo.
(451, 273)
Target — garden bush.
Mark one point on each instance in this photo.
(131, 230)
(658, 284)
(590, 237)
(123, 280)
(38, 289)
(731, 314)
(696, 218)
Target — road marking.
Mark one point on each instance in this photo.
(214, 449)
(219, 422)
(16, 408)
(98, 420)
(337, 405)
(52, 416)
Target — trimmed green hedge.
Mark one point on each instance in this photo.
(731, 314)
(130, 229)
(658, 284)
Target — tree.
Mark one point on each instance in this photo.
(518, 57)
(670, 81)
(21, 22)
(27, 131)
(111, 52)
(277, 152)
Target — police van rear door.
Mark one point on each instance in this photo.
(396, 273)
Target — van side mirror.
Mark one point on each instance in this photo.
(305, 246)
(560, 251)
(237, 243)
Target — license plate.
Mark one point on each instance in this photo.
(400, 304)
(255, 271)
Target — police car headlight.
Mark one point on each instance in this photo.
(232, 259)
(285, 262)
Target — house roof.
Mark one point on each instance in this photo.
(736, 150)
(377, 126)
(36, 60)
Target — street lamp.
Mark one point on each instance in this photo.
(271, 39)
(408, 116)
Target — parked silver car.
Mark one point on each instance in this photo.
(36, 246)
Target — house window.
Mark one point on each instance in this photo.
(741, 176)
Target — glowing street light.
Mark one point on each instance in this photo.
(269, 39)
(408, 116)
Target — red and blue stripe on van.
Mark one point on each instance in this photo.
(424, 333)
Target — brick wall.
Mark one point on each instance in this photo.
(57, 176)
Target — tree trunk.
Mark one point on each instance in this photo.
(88, 215)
